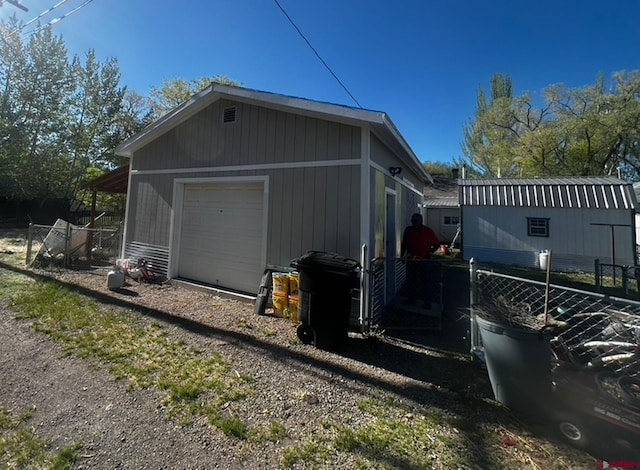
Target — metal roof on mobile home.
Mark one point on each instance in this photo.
(589, 193)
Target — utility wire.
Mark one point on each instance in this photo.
(316, 52)
(43, 13)
(60, 18)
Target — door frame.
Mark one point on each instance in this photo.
(390, 242)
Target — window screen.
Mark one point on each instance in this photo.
(537, 227)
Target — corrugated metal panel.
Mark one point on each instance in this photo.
(441, 202)
(593, 193)
(158, 256)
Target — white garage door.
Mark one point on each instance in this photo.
(222, 237)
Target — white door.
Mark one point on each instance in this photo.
(222, 237)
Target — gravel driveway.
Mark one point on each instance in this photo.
(296, 384)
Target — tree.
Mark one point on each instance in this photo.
(59, 118)
(588, 131)
(35, 85)
(176, 91)
(93, 108)
(487, 142)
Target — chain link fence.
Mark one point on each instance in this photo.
(408, 285)
(69, 245)
(595, 341)
(612, 278)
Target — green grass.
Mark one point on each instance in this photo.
(577, 280)
(384, 433)
(21, 448)
(394, 436)
(143, 354)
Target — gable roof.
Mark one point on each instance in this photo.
(442, 193)
(379, 122)
(585, 192)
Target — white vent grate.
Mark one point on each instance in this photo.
(229, 115)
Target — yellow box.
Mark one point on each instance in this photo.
(280, 284)
(294, 281)
(280, 305)
(294, 308)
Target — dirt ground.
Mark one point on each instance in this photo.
(300, 385)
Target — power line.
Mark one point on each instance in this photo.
(43, 13)
(58, 19)
(316, 53)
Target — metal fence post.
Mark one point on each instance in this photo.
(598, 274)
(365, 316)
(473, 286)
(625, 280)
(67, 245)
(29, 243)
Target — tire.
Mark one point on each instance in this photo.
(574, 431)
(305, 333)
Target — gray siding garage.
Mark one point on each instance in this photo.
(510, 221)
(236, 180)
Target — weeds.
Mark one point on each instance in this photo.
(141, 353)
(20, 447)
(385, 433)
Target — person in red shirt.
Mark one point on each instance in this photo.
(418, 242)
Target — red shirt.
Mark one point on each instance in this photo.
(419, 242)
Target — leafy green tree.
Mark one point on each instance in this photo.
(35, 85)
(93, 108)
(439, 168)
(176, 91)
(59, 118)
(588, 131)
(487, 141)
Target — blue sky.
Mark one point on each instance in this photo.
(420, 61)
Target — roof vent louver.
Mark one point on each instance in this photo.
(229, 114)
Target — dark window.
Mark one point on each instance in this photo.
(229, 114)
(451, 220)
(537, 227)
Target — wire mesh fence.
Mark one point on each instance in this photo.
(612, 278)
(592, 332)
(70, 245)
(411, 285)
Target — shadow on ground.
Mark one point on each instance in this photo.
(437, 363)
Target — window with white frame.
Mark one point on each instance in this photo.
(537, 227)
(451, 220)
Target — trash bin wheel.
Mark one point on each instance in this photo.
(305, 334)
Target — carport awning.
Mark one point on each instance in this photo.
(115, 181)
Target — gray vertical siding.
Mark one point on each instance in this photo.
(407, 200)
(313, 209)
(309, 209)
(384, 157)
(149, 220)
(258, 136)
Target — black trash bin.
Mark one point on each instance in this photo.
(326, 282)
